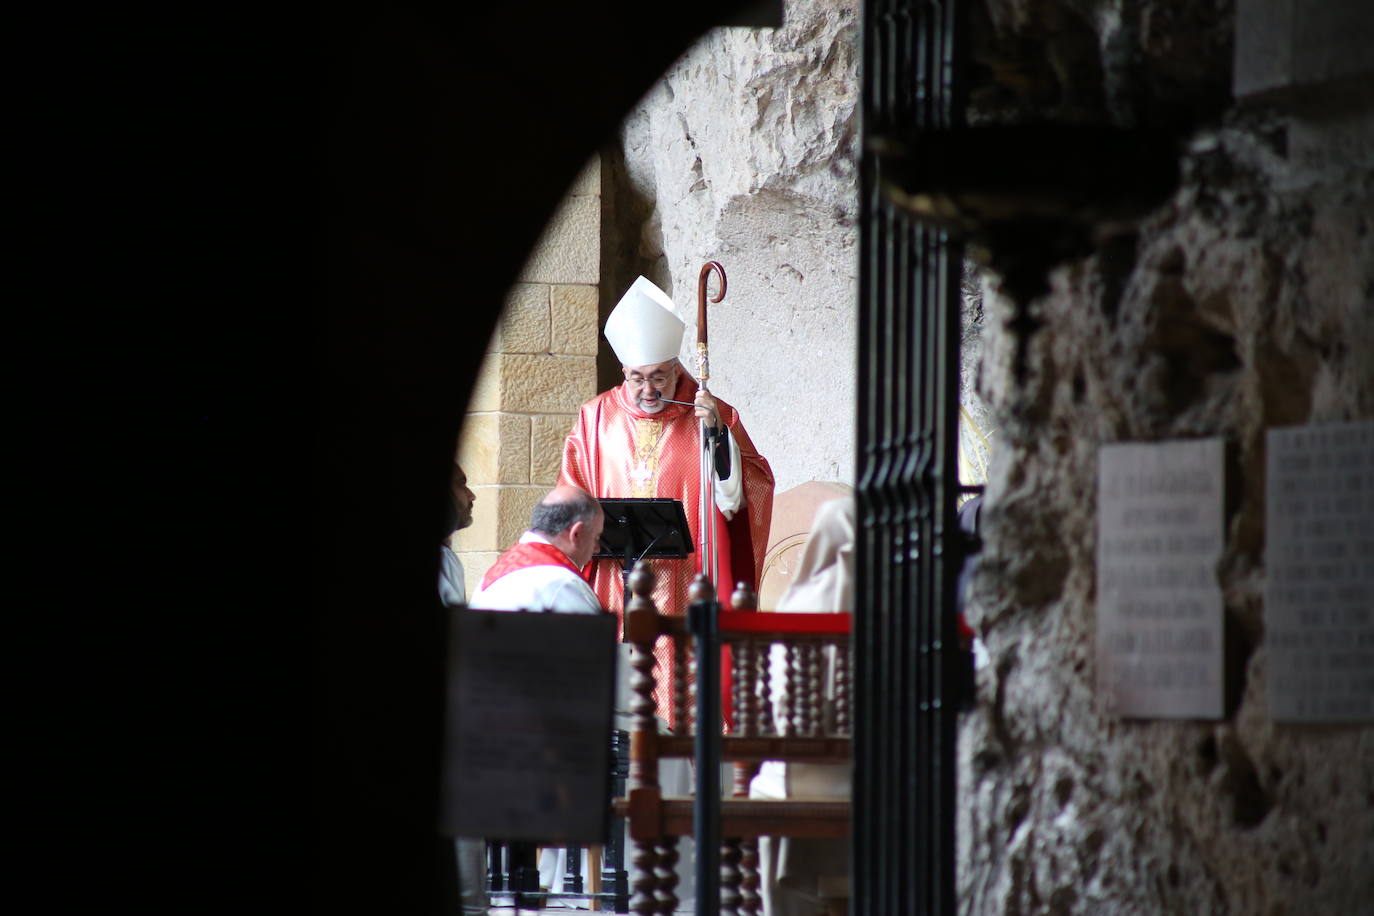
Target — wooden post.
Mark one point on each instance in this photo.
(641, 630)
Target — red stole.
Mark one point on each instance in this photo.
(525, 555)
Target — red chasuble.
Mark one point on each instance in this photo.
(615, 450)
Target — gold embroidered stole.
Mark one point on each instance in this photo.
(644, 466)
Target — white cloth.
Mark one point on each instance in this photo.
(729, 492)
(824, 582)
(538, 588)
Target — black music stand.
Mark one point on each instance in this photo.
(638, 528)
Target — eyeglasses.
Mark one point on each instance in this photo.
(639, 381)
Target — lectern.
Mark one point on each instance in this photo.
(643, 528)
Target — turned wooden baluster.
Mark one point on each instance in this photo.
(688, 644)
(815, 660)
(750, 902)
(682, 709)
(738, 860)
(665, 893)
(745, 694)
(748, 850)
(741, 696)
(738, 695)
(764, 691)
(730, 877)
(803, 691)
(842, 691)
(641, 629)
(796, 691)
(644, 883)
(752, 677)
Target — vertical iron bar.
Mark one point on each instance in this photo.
(934, 307)
(948, 537)
(572, 869)
(614, 877)
(868, 834)
(705, 626)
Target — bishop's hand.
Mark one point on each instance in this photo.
(707, 409)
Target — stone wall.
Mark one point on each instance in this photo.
(1246, 302)
(539, 368)
(745, 153)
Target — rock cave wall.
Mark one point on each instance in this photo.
(1246, 302)
(745, 152)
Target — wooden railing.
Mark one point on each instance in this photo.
(802, 716)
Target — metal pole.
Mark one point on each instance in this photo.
(704, 623)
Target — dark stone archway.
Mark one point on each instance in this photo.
(450, 133)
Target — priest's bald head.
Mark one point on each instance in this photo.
(572, 521)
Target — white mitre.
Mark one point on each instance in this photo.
(643, 329)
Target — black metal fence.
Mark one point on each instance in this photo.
(906, 649)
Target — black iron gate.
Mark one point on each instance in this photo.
(908, 552)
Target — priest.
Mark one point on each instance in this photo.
(543, 570)
(634, 441)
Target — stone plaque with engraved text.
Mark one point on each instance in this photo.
(1319, 572)
(1159, 605)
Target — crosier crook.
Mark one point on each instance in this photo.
(707, 502)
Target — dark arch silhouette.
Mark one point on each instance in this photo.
(450, 134)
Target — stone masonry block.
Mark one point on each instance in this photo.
(475, 565)
(483, 533)
(495, 448)
(486, 389)
(513, 509)
(546, 384)
(588, 181)
(524, 325)
(479, 450)
(547, 435)
(569, 251)
(574, 321)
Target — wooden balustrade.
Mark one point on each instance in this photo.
(806, 722)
